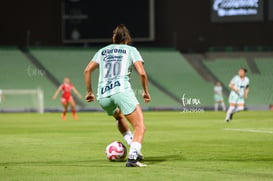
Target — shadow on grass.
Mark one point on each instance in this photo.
(163, 158)
(83, 163)
(90, 163)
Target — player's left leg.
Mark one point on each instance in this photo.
(123, 126)
(230, 111)
(240, 107)
(73, 108)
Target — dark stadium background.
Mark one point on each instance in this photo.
(185, 25)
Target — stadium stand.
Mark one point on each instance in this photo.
(17, 72)
(171, 76)
(263, 81)
(66, 62)
(71, 62)
(170, 69)
(225, 66)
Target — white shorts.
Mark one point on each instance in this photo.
(236, 99)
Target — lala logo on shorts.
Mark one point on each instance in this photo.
(110, 87)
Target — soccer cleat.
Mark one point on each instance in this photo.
(227, 120)
(75, 117)
(140, 157)
(134, 163)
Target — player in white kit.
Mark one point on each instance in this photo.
(218, 97)
(239, 86)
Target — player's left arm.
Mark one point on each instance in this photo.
(88, 83)
(77, 92)
(246, 91)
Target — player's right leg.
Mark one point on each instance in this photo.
(233, 99)
(137, 121)
(124, 129)
(65, 106)
(129, 106)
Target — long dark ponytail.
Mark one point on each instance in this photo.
(121, 35)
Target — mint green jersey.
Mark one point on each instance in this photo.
(240, 84)
(115, 66)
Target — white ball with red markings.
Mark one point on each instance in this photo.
(116, 151)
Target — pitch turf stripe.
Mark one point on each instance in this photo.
(249, 130)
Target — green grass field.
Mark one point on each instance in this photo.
(177, 146)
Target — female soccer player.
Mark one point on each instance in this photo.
(239, 86)
(218, 97)
(67, 97)
(114, 89)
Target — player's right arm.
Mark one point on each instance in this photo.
(57, 92)
(144, 80)
(232, 87)
(88, 83)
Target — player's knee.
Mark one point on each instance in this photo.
(241, 108)
(118, 116)
(231, 107)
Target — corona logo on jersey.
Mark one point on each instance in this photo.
(114, 50)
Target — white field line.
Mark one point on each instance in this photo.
(249, 130)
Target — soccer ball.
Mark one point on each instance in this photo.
(116, 151)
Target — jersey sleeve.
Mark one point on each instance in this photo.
(247, 84)
(97, 57)
(233, 80)
(135, 56)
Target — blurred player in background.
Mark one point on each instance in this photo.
(67, 97)
(218, 97)
(239, 86)
(115, 94)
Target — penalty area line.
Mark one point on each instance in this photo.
(249, 130)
